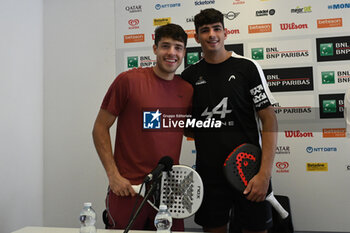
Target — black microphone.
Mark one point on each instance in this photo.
(164, 164)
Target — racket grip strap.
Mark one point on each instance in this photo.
(278, 207)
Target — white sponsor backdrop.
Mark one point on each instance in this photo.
(319, 199)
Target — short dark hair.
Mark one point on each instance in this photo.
(172, 31)
(208, 16)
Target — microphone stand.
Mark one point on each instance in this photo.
(149, 192)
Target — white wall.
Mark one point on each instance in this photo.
(49, 101)
(21, 117)
(79, 67)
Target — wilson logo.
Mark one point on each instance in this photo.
(298, 134)
(293, 26)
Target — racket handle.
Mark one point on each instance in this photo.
(137, 189)
(273, 201)
(143, 193)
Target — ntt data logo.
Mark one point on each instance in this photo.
(171, 5)
(311, 149)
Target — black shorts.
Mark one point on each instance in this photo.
(216, 207)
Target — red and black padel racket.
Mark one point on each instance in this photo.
(241, 165)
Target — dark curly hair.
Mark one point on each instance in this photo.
(172, 31)
(208, 16)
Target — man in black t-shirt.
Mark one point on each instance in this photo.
(232, 89)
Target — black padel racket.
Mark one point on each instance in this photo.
(241, 165)
(181, 189)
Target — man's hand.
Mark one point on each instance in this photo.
(257, 188)
(121, 186)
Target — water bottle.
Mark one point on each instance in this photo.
(87, 219)
(163, 220)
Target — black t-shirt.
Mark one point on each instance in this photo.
(232, 92)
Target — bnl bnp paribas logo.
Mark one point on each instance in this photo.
(152, 119)
(192, 58)
(326, 49)
(258, 53)
(328, 77)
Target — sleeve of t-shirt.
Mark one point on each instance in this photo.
(117, 95)
(259, 90)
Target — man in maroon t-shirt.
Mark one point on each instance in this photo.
(140, 143)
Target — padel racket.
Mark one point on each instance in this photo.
(181, 189)
(241, 165)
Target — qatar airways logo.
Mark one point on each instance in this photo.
(298, 134)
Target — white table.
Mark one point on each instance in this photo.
(67, 230)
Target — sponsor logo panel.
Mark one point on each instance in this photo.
(289, 79)
(311, 167)
(140, 61)
(134, 24)
(134, 8)
(334, 77)
(300, 107)
(238, 2)
(265, 12)
(330, 23)
(135, 38)
(190, 33)
(282, 150)
(282, 167)
(259, 28)
(281, 52)
(298, 134)
(331, 105)
(334, 132)
(333, 48)
(293, 26)
(300, 10)
(166, 6)
(140, 58)
(339, 6)
(203, 2)
(232, 31)
(231, 15)
(161, 21)
(194, 54)
(311, 149)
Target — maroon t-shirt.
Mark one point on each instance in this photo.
(134, 92)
